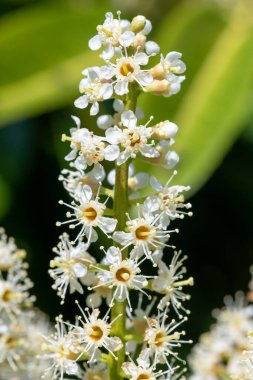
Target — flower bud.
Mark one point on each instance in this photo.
(139, 41)
(159, 87)
(165, 130)
(138, 23)
(158, 72)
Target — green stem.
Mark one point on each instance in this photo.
(121, 204)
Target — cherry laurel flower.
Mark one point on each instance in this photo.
(141, 370)
(123, 274)
(133, 139)
(169, 201)
(61, 350)
(145, 234)
(74, 180)
(93, 333)
(69, 266)
(95, 88)
(89, 213)
(162, 338)
(170, 282)
(91, 148)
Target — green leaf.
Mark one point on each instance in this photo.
(214, 109)
(44, 49)
(5, 198)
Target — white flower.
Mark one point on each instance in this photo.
(122, 275)
(10, 256)
(169, 201)
(133, 139)
(20, 342)
(142, 370)
(89, 214)
(165, 130)
(162, 338)
(94, 334)
(91, 148)
(62, 350)
(219, 352)
(127, 69)
(144, 234)
(14, 292)
(170, 281)
(95, 88)
(106, 121)
(113, 34)
(73, 181)
(69, 266)
(173, 66)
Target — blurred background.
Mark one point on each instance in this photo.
(43, 48)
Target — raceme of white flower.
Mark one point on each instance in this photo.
(108, 204)
(225, 352)
(21, 325)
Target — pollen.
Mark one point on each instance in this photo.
(142, 233)
(90, 214)
(123, 274)
(96, 334)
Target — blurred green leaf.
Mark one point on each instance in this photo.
(214, 109)
(44, 49)
(5, 198)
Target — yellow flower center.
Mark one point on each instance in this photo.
(123, 274)
(96, 333)
(142, 232)
(90, 214)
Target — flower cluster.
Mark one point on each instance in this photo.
(21, 325)
(136, 231)
(225, 352)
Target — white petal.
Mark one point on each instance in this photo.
(111, 177)
(93, 300)
(129, 119)
(111, 152)
(149, 151)
(94, 109)
(152, 48)
(147, 29)
(156, 184)
(124, 156)
(121, 87)
(107, 225)
(106, 91)
(171, 159)
(118, 105)
(105, 121)
(126, 38)
(141, 58)
(144, 78)
(71, 156)
(76, 120)
(171, 56)
(113, 255)
(95, 43)
(107, 72)
(121, 237)
(98, 172)
(113, 135)
(108, 52)
(142, 180)
(80, 270)
(139, 113)
(87, 193)
(81, 102)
